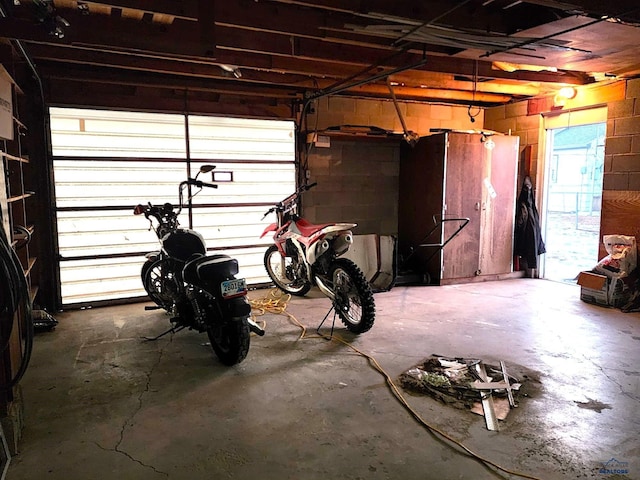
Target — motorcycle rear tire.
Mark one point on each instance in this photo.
(353, 296)
(296, 286)
(230, 340)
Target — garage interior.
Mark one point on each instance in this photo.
(399, 110)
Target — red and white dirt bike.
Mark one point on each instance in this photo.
(304, 255)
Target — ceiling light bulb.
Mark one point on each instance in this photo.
(568, 92)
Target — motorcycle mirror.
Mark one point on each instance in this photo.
(138, 210)
(206, 168)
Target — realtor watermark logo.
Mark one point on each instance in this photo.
(614, 467)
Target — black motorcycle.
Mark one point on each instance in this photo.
(200, 291)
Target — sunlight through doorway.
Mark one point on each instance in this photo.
(573, 198)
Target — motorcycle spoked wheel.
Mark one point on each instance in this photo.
(160, 286)
(353, 296)
(230, 340)
(294, 279)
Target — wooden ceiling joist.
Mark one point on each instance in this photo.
(284, 50)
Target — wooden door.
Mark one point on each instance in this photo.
(463, 191)
(480, 185)
(498, 204)
(420, 198)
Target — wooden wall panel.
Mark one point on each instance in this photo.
(620, 215)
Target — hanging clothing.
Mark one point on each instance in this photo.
(528, 237)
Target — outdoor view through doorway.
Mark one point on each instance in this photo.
(573, 193)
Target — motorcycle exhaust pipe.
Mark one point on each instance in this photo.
(255, 328)
(343, 243)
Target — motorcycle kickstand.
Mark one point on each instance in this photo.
(333, 324)
(171, 330)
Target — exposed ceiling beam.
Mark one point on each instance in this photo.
(127, 61)
(187, 9)
(439, 80)
(75, 93)
(261, 50)
(431, 95)
(147, 79)
(228, 87)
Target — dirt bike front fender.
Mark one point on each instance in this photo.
(271, 228)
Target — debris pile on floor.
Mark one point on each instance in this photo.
(465, 383)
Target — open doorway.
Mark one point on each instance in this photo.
(573, 198)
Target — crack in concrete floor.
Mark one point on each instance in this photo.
(128, 422)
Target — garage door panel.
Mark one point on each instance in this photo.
(107, 162)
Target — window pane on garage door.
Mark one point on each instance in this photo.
(102, 244)
(102, 133)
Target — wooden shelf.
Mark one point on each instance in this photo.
(19, 197)
(16, 174)
(32, 262)
(8, 156)
(19, 123)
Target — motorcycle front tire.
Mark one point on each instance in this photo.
(287, 281)
(151, 274)
(353, 299)
(230, 340)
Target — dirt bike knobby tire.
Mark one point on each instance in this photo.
(364, 293)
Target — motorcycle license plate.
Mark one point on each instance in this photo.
(234, 288)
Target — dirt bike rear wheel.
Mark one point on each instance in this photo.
(294, 278)
(230, 340)
(353, 296)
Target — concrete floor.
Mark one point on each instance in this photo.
(99, 403)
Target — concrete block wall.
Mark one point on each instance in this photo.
(622, 148)
(621, 189)
(358, 178)
(357, 182)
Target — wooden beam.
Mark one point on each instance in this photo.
(79, 94)
(421, 79)
(181, 40)
(62, 57)
(186, 9)
(431, 94)
(135, 79)
(309, 17)
(206, 26)
(249, 49)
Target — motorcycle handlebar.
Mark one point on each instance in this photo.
(283, 205)
(199, 183)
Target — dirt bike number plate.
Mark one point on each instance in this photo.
(234, 288)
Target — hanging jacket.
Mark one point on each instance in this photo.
(528, 237)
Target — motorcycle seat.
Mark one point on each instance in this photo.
(307, 229)
(211, 267)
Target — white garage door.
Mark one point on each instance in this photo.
(106, 162)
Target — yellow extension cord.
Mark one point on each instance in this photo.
(276, 302)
